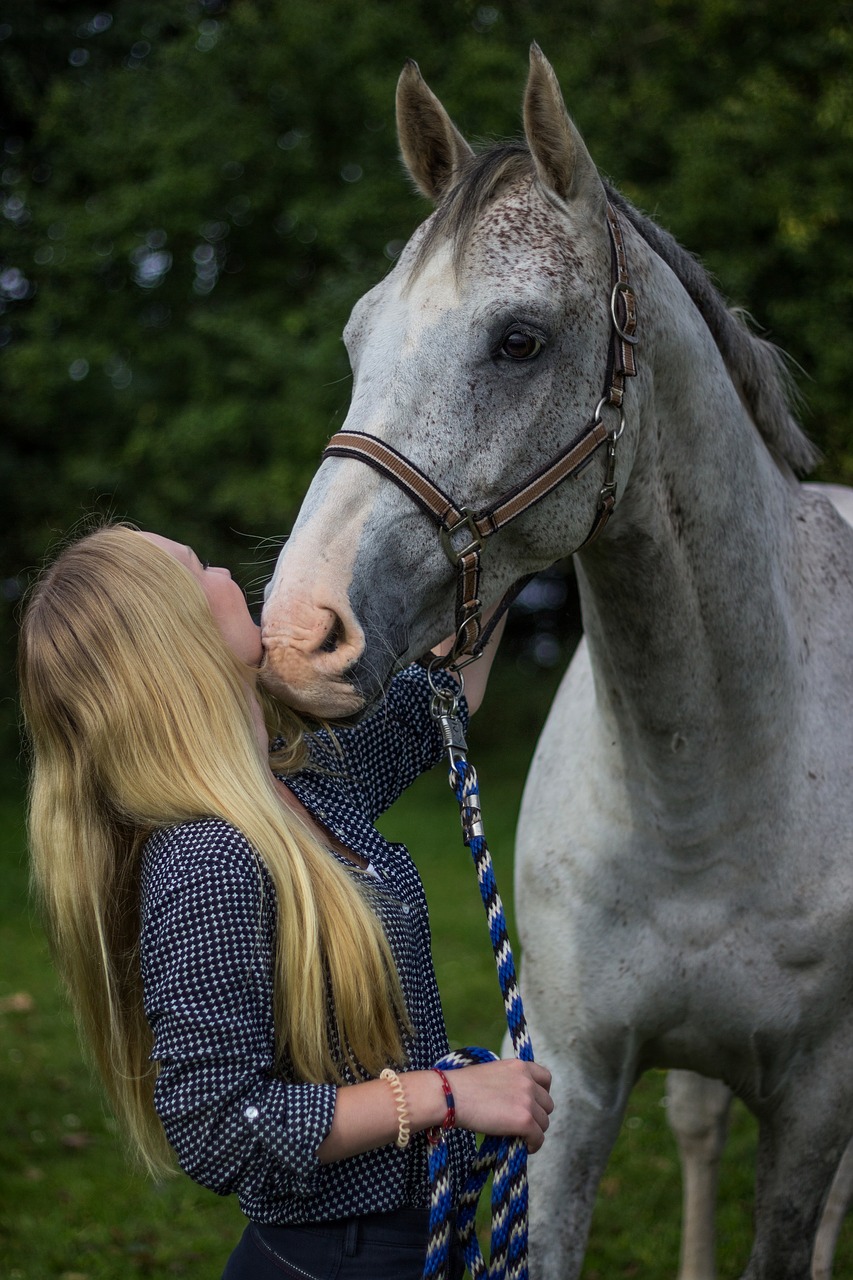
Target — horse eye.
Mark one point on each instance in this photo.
(519, 345)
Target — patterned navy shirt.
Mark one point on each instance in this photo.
(207, 946)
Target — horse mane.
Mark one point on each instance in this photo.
(758, 368)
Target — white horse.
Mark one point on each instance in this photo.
(684, 881)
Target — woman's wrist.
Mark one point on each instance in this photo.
(425, 1099)
(435, 1132)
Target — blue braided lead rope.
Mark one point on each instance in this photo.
(505, 1158)
(467, 791)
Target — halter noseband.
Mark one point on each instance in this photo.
(464, 531)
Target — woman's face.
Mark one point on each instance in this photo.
(226, 600)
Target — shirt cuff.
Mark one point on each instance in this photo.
(291, 1121)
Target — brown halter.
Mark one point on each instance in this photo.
(462, 530)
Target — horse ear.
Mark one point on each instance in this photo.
(433, 149)
(562, 161)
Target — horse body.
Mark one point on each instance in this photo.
(684, 874)
(675, 906)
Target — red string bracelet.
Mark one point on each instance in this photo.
(434, 1134)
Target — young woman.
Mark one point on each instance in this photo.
(248, 959)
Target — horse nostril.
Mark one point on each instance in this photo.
(333, 638)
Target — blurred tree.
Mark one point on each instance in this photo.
(195, 192)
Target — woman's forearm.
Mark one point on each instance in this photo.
(505, 1098)
(367, 1116)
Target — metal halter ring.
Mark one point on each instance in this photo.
(442, 695)
(605, 403)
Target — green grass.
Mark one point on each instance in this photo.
(70, 1209)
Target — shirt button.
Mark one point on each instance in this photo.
(251, 1113)
(406, 908)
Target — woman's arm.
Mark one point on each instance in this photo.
(506, 1098)
(384, 753)
(207, 951)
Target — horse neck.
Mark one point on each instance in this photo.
(687, 599)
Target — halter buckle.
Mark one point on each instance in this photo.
(453, 554)
(608, 489)
(627, 332)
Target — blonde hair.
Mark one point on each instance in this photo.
(139, 718)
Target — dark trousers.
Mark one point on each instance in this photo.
(376, 1246)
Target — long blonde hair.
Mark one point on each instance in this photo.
(138, 716)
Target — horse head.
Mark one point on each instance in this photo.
(480, 356)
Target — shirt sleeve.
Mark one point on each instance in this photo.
(207, 946)
(386, 751)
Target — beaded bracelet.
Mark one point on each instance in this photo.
(434, 1135)
(403, 1130)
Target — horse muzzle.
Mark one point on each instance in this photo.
(309, 652)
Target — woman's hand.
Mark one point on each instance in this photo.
(508, 1098)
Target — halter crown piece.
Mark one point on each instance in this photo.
(463, 530)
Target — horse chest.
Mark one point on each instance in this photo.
(729, 931)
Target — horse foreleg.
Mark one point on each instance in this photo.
(698, 1111)
(840, 1196)
(590, 1086)
(801, 1141)
(564, 1178)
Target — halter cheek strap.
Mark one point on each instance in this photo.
(463, 530)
